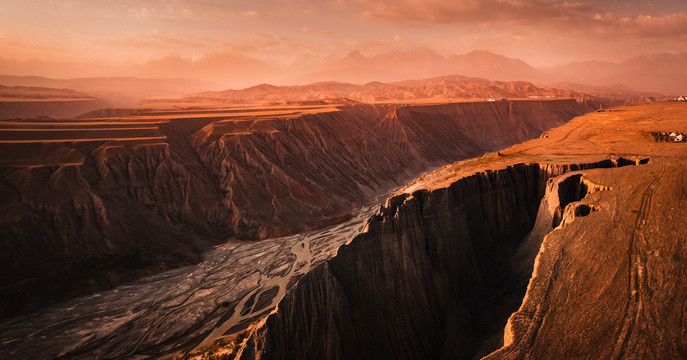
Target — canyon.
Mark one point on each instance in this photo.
(260, 223)
(571, 245)
(119, 194)
(213, 180)
(236, 284)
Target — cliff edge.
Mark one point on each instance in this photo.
(567, 246)
(92, 202)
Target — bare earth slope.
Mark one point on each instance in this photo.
(593, 212)
(88, 203)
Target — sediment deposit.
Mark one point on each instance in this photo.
(158, 316)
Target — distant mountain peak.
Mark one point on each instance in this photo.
(660, 73)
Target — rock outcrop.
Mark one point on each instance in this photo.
(594, 258)
(89, 203)
(298, 172)
(427, 277)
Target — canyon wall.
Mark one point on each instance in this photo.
(299, 172)
(435, 274)
(450, 271)
(87, 214)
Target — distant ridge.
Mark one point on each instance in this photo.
(118, 91)
(439, 88)
(664, 73)
(29, 102)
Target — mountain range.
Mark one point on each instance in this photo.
(662, 73)
(440, 89)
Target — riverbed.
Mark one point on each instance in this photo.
(236, 284)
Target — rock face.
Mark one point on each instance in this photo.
(92, 202)
(425, 275)
(437, 273)
(332, 161)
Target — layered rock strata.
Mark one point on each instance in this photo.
(92, 202)
(295, 172)
(428, 276)
(467, 262)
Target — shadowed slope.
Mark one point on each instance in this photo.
(436, 273)
(113, 198)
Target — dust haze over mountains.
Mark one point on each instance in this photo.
(628, 46)
(664, 73)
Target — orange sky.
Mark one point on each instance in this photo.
(541, 32)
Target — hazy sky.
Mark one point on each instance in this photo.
(540, 32)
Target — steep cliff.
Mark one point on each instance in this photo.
(91, 202)
(594, 258)
(432, 275)
(287, 174)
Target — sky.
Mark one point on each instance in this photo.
(541, 32)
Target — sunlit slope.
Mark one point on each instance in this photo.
(571, 245)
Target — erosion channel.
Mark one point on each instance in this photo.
(246, 176)
(177, 310)
(435, 274)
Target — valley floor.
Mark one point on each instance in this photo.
(236, 284)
